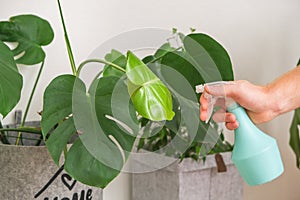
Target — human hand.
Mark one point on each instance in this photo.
(253, 98)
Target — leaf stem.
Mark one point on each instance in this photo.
(30, 100)
(68, 44)
(98, 61)
(32, 93)
(2, 135)
(65, 151)
(158, 58)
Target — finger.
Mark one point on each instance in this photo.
(203, 107)
(203, 115)
(232, 126)
(219, 116)
(230, 118)
(223, 116)
(203, 102)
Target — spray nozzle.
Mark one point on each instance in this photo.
(216, 96)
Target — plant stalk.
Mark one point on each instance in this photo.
(32, 93)
(68, 44)
(2, 135)
(158, 58)
(98, 61)
(30, 100)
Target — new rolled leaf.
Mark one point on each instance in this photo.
(150, 97)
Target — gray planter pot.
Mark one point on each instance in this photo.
(26, 173)
(190, 180)
(29, 173)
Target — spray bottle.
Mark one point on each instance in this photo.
(255, 154)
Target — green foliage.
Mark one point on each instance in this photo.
(294, 133)
(57, 115)
(68, 108)
(10, 81)
(85, 168)
(209, 57)
(294, 136)
(65, 97)
(96, 128)
(31, 33)
(201, 60)
(151, 98)
(117, 58)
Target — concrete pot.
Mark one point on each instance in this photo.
(29, 173)
(190, 180)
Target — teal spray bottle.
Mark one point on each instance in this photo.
(255, 154)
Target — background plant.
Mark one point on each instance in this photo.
(294, 133)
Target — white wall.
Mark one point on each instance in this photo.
(262, 37)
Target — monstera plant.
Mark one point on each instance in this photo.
(96, 127)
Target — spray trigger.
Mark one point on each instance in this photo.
(212, 99)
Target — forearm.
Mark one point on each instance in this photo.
(284, 92)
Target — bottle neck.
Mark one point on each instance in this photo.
(243, 132)
(240, 113)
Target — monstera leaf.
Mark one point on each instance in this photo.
(165, 48)
(209, 57)
(150, 97)
(10, 81)
(179, 61)
(203, 60)
(57, 112)
(117, 58)
(69, 110)
(30, 32)
(160, 52)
